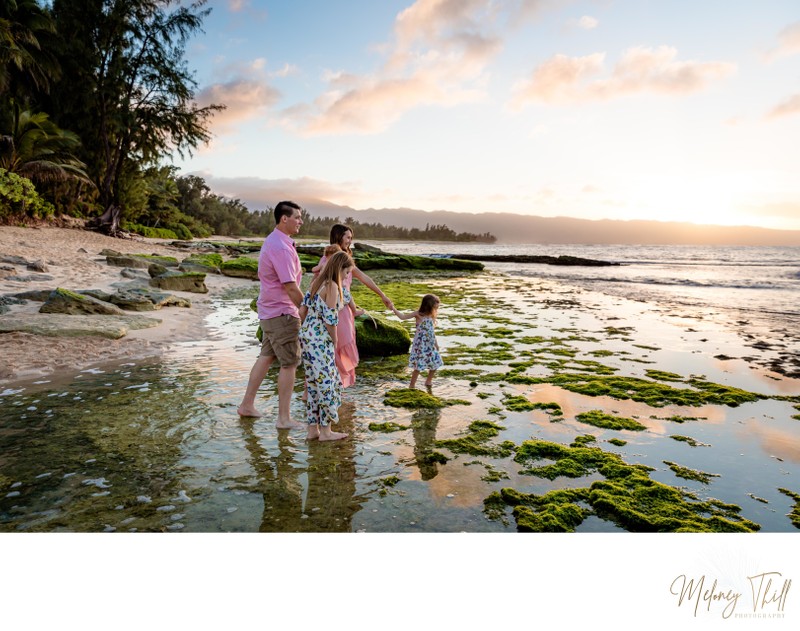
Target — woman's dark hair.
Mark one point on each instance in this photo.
(429, 303)
(338, 231)
(285, 209)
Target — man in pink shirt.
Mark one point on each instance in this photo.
(280, 273)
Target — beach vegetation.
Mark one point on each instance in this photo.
(598, 418)
(20, 200)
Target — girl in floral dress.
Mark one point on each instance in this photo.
(346, 349)
(424, 353)
(320, 315)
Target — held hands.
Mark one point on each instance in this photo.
(387, 301)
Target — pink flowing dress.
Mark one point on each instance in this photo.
(346, 349)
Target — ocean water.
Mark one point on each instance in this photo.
(760, 281)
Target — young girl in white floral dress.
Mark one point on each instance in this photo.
(424, 353)
(320, 315)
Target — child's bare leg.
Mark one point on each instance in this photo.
(429, 380)
(414, 376)
(325, 433)
(313, 431)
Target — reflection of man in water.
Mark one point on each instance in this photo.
(278, 481)
(423, 426)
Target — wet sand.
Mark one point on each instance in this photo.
(72, 258)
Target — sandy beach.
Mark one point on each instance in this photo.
(72, 261)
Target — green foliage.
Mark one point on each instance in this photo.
(146, 231)
(19, 199)
(320, 226)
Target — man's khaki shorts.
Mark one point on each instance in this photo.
(281, 339)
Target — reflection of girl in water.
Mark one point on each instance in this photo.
(346, 349)
(319, 314)
(424, 353)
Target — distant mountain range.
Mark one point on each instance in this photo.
(513, 228)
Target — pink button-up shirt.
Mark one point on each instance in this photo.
(278, 263)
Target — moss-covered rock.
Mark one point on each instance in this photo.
(415, 399)
(379, 337)
(181, 281)
(794, 515)
(72, 303)
(208, 263)
(387, 427)
(240, 267)
(141, 261)
(627, 496)
(598, 418)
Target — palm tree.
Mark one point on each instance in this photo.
(26, 66)
(39, 150)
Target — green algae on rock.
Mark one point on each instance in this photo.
(618, 442)
(240, 267)
(795, 514)
(413, 398)
(654, 393)
(379, 337)
(209, 262)
(627, 496)
(387, 427)
(598, 418)
(518, 403)
(689, 440)
(690, 474)
(582, 441)
(476, 441)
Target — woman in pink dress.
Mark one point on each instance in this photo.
(346, 349)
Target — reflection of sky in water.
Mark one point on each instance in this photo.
(158, 445)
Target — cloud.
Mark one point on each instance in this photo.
(588, 23)
(786, 108)
(564, 79)
(258, 193)
(238, 5)
(243, 99)
(437, 57)
(788, 43)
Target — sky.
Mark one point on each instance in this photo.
(598, 109)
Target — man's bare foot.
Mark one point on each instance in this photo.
(289, 425)
(428, 384)
(248, 411)
(325, 433)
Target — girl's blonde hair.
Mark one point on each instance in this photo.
(334, 268)
(429, 305)
(332, 249)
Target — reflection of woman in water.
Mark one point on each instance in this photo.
(346, 349)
